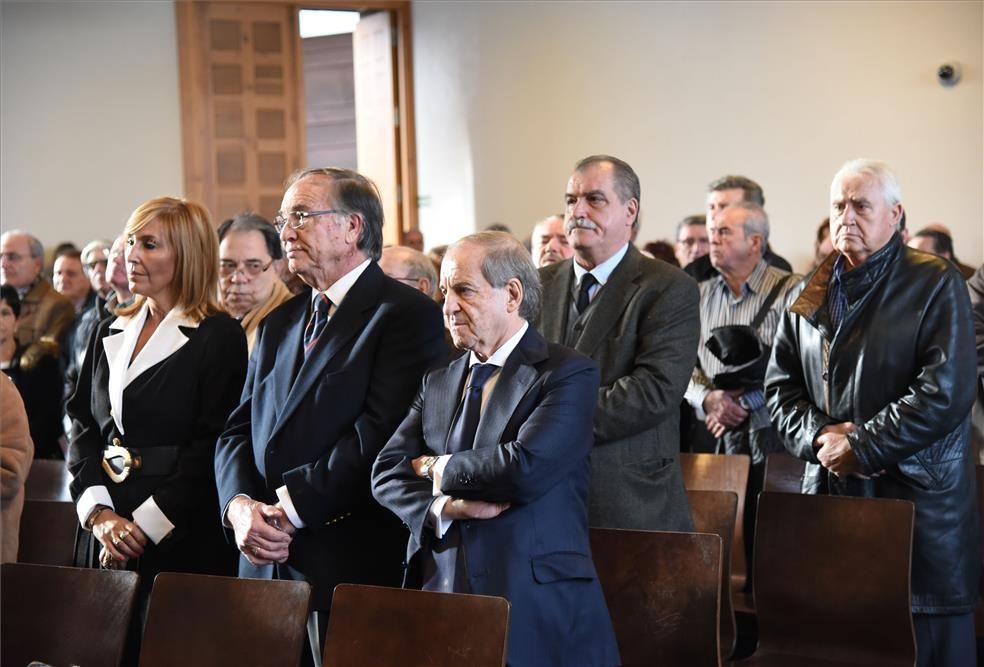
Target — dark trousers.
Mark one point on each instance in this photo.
(945, 640)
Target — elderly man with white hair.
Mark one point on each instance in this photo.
(871, 382)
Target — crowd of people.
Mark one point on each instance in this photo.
(292, 400)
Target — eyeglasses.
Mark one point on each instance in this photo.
(692, 242)
(12, 256)
(297, 219)
(250, 267)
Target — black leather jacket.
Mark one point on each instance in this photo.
(902, 367)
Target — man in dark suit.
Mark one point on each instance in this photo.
(638, 319)
(332, 373)
(494, 492)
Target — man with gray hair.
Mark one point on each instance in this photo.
(490, 467)
(410, 267)
(871, 382)
(637, 318)
(332, 373)
(739, 310)
(722, 193)
(44, 312)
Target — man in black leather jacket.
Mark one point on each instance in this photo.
(872, 379)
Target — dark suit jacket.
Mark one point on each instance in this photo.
(531, 450)
(180, 402)
(320, 433)
(642, 331)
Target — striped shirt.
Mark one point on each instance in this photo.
(720, 307)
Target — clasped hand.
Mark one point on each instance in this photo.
(835, 452)
(263, 532)
(121, 539)
(723, 411)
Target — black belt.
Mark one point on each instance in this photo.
(119, 462)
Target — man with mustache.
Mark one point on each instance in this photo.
(637, 319)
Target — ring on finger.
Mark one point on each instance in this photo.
(116, 540)
(124, 534)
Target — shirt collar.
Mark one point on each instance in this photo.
(603, 271)
(498, 358)
(336, 293)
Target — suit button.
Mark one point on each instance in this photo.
(826, 376)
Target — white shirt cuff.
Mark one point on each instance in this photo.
(438, 522)
(284, 495)
(152, 521)
(437, 473)
(90, 498)
(695, 395)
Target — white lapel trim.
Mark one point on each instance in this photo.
(165, 341)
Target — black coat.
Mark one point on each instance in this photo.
(317, 425)
(902, 367)
(36, 372)
(181, 401)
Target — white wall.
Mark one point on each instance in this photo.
(90, 120)
(510, 95)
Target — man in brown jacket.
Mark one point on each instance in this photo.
(44, 312)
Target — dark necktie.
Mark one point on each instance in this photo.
(583, 298)
(317, 323)
(462, 435)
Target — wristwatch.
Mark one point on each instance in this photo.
(428, 465)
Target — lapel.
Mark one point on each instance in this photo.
(288, 351)
(349, 320)
(515, 379)
(171, 334)
(446, 398)
(610, 302)
(556, 302)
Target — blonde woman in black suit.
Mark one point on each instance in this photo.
(156, 387)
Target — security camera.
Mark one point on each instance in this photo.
(948, 74)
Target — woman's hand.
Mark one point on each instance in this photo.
(121, 538)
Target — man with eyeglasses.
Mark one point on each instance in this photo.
(249, 278)
(332, 374)
(44, 312)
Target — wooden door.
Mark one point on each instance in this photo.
(241, 97)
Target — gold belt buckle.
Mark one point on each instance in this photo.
(118, 461)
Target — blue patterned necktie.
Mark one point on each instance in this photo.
(317, 323)
(462, 436)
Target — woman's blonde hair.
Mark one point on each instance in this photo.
(187, 227)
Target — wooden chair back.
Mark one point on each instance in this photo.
(64, 615)
(48, 480)
(199, 620)
(47, 533)
(832, 579)
(372, 625)
(663, 592)
(715, 512)
(783, 473)
(723, 472)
